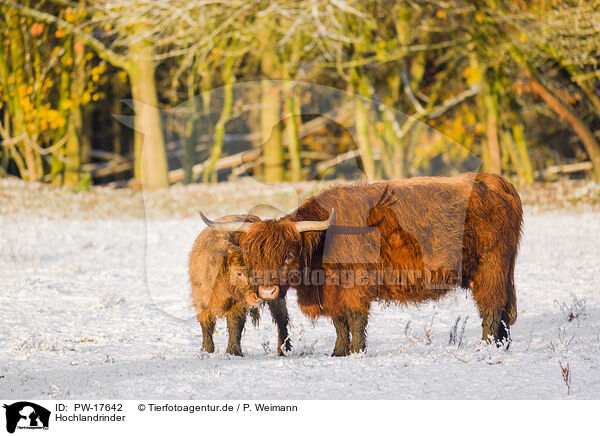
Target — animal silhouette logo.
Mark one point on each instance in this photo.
(26, 415)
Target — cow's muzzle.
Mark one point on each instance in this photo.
(252, 299)
(268, 292)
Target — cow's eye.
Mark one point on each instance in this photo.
(289, 258)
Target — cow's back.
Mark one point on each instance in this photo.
(430, 211)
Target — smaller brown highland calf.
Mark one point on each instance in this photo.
(220, 288)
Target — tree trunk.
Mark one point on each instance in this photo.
(217, 148)
(150, 155)
(72, 148)
(270, 113)
(57, 158)
(291, 130)
(481, 117)
(271, 132)
(566, 113)
(3, 82)
(118, 93)
(392, 131)
(521, 143)
(138, 136)
(86, 135)
(490, 100)
(394, 145)
(361, 125)
(191, 129)
(5, 150)
(75, 127)
(510, 154)
(189, 147)
(17, 60)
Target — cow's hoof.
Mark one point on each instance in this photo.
(234, 351)
(281, 353)
(208, 348)
(284, 349)
(503, 343)
(341, 353)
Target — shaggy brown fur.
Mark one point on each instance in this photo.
(435, 233)
(220, 288)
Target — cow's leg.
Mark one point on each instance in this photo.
(207, 322)
(358, 326)
(342, 343)
(490, 292)
(280, 316)
(235, 326)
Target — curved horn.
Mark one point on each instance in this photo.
(234, 226)
(313, 226)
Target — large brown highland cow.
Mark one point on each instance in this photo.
(220, 288)
(404, 241)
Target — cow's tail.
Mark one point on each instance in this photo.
(512, 225)
(511, 303)
(514, 228)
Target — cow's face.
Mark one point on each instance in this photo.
(239, 279)
(271, 249)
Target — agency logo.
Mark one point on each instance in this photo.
(26, 415)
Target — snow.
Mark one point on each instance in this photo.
(80, 319)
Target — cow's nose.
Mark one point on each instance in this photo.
(268, 292)
(252, 299)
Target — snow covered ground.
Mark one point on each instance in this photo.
(79, 320)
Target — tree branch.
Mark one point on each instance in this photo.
(440, 109)
(103, 51)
